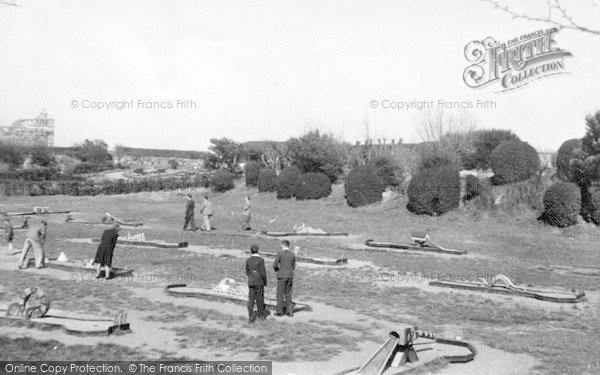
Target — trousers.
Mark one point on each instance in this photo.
(38, 252)
(284, 296)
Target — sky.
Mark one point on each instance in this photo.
(270, 70)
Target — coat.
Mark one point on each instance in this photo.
(10, 234)
(255, 270)
(37, 233)
(284, 265)
(206, 209)
(104, 254)
(189, 208)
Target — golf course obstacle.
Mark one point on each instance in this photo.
(403, 346)
(307, 259)
(227, 290)
(82, 266)
(503, 285)
(23, 226)
(303, 230)
(421, 242)
(140, 240)
(34, 305)
(106, 220)
(34, 211)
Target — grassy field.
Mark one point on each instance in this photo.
(564, 339)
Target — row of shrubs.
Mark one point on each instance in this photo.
(83, 188)
(291, 182)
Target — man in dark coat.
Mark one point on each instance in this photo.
(257, 281)
(104, 254)
(189, 213)
(284, 265)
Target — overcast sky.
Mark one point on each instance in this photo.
(274, 69)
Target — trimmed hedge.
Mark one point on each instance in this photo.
(251, 171)
(267, 180)
(473, 187)
(387, 170)
(562, 204)
(288, 182)
(313, 186)
(514, 161)
(486, 140)
(222, 180)
(434, 191)
(363, 186)
(81, 188)
(567, 151)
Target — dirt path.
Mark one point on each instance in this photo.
(157, 338)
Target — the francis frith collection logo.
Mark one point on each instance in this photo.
(515, 63)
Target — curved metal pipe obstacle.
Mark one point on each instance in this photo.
(503, 285)
(399, 349)
(421, 242)
(227, 289)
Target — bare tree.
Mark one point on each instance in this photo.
(434, 125)
(555, 14)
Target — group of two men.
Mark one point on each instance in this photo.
(206, 211)
(284, 265)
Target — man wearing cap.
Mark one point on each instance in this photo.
(189, 214)
(104, 254)
(284, 265)
(257, 281)
(36, 237)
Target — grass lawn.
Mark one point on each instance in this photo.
(564, 339)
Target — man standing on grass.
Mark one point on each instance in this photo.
(284, 265)
(207, 213)
(36, 237)
(10, 234)
(189, 213)
(105, 251)
(247, 214)
(257, 281)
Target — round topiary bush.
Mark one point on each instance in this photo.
(363, 186)
(434, 191)
(567, 151)
(562, 204)
(313, 186)
(251, 171)
(288, 182)
(267, 180)
(514, 161)
(473, 187)
(222, 180)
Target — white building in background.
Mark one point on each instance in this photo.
(38, 131)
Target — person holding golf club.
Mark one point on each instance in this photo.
(104, 254)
